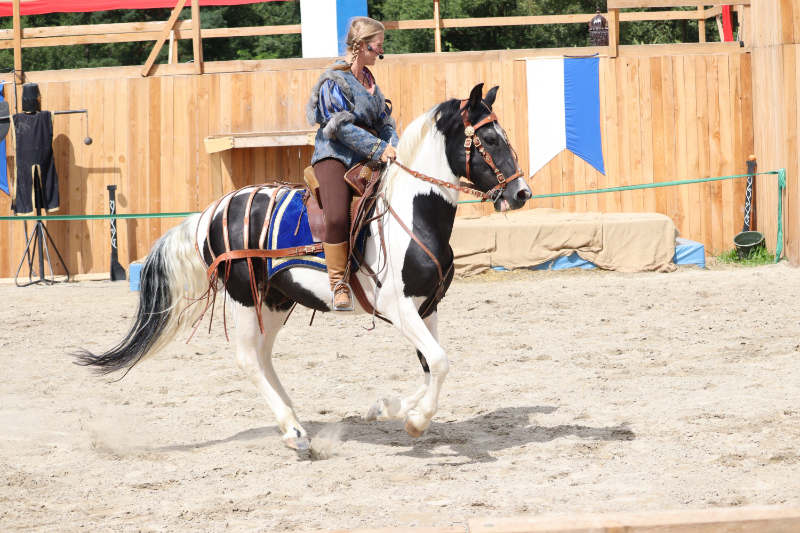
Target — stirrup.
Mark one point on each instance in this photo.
(349, 292)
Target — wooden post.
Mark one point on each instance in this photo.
(701, 24)
(172, 51)
(18, 74)
(197, 41)
(437, 32)
(613, 32)
(168, 27)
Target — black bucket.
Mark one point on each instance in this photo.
(747, 242)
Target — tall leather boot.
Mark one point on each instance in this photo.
(336, 258)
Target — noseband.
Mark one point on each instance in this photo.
(472, 139)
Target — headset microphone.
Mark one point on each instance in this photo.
(380, 56)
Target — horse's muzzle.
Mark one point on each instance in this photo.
(513, 197)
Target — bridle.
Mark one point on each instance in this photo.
(472, 139)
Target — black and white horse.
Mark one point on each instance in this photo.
(174, 274)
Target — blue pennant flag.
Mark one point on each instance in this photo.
(564, 110)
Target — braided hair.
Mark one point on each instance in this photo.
(361, 30)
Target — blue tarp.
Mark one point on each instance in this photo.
(686, 253)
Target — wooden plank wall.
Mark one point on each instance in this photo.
(776, 110)
(667, 112)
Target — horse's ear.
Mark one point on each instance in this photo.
(475, 96)
(491, 95)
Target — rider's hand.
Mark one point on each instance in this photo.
(388, 153)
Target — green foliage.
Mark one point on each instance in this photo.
(281, 13)
(759, 256)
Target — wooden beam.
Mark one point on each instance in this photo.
(437, 32)
(720, 520)
(19, 76)
(255, 139)
(169, 26)
(8, 42)
(642, 4)
(517, 21)
(96, 29)
(197, 42)
(613, 32)
(701, 24)
(635, 16)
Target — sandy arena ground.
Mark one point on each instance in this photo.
(574, 391)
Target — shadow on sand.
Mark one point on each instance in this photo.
(474, 438)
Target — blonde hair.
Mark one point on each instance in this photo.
(361, 30)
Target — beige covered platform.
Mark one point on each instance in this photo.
(627, 242)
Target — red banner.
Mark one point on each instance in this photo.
(38, 7)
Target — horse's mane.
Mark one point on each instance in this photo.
(442, 118)
(413, 136)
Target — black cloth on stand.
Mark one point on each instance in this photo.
(34, 139)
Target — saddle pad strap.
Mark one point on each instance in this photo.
(246, 221)
(208, 229)
(232, 255)
(267, 219)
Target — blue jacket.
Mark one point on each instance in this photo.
(340, 104)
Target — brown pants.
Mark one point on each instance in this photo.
(336, 196)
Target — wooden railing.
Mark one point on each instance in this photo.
(174, 29)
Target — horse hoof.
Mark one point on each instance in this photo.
(298, 444)
(413, 430)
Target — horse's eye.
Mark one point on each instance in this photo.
(491, 139)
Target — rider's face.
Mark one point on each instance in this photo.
(376, 46)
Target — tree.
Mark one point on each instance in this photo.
(281, 13)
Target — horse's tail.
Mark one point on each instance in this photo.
(172, 277)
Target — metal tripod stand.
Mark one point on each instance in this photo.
(37, 243)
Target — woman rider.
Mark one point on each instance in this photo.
(355, 125)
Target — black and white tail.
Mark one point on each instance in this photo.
(172, 277)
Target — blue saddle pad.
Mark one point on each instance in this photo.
(289, 228)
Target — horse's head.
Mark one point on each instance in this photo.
(478, 149)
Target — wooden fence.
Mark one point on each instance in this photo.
(668, 112)
(776, 97)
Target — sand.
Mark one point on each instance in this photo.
(574, 391)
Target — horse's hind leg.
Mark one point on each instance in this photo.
(254, 355)
(398, 408)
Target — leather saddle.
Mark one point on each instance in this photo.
(363, 178)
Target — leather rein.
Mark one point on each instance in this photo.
(472, 140)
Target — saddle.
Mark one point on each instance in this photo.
(363, 178)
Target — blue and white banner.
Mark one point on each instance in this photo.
(564, 110)
(324, 25)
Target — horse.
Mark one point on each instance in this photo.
(406, 268)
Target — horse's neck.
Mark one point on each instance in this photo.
(427, 206)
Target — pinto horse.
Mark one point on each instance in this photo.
(406, 252)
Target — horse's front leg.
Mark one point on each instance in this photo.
(254, 355)
(398, 408)
(418, 408)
